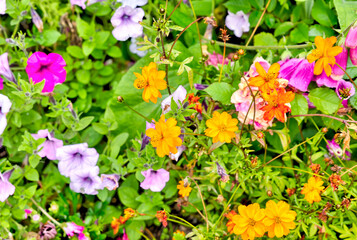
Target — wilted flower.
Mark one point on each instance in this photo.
(238, 23)
(134, 48)
(335, 181)
(346, 202)
(184, 189)
(221, 127)
(176, 156)
(5, 69)
(222, 173)
(351, 39)
(133, 3)
(155, 180)
(312, 189)
(110, 181)
(49, 68)
(47, 231)
(76, 157)
(315, 168)
(5, 106)
(126, 23)
(36, 19)
(49, 147)
(162, 217)
(178, 96)
(6, 188)
(2, 6)
(86, 180)
(291, 191)
(345, 90)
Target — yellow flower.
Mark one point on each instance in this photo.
(265, 81)
(221, 127)
(312, 189)
(325, 54)
(151, 80)
(279, 219)
(165, 136)
(249, 222)
(184, 191)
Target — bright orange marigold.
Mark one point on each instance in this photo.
(165, 136)
(279, 219)
(184, 189)
(265, 81)
(277, 104)
(325, 54)
(221, 127)
(151, 80)
(312, 189)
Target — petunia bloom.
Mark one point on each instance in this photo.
(72, 229)
(49, 147)
(133, 3)
(6, 188)
(155, 180)
(178, 96)
(238, 23)
(312, 189)
(221, 127)
(351, 39)
(214, 59)
(325, 54)
(49, 68)
(36, 19)
(151, 80)
(5, 69)
(110, 181)
(86, 180)
(353, 56)
(2, 6)
(345, 90)
(5, 106)
(134, 48)
(341, 62)
(265, 81)
(75, 157)
(126, 23)
(278, 104)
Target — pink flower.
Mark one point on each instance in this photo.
(6, 188)
(351, 39)
(50, 68)
(5, 69)
(179, 96)
(353, 56)
(81, 3)
(124, 237)
(50, 146)
(253, 71)
(27, 212)
(341, 60)
(324, 80)
(155, 180)
(214, 59)
(345, 90)
(71, 229)
(2, 6)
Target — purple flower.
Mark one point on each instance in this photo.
(214, 59)
(238, 23)
(155, 180)
(5, 106)
(36, 19)
(288, 67)
(351, 39)
(134, 48)
(86, 180)
(341, 60)
(324, 80)
(47, 231)
(222, 173)
(178, 95)
(145, 139)
(353, 56)
(335, 150)
(50, 68)
(81, 3)
(2, 6)
(76, 157)
(126, 23)
(50, 146)
(6, 188)
(110, 181)
(71, 229)
(5, 69)
(124, 237)
(133, 3)
(180, 150)
(345, 90)
(200, 86)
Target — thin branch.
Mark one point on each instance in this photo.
(323, 115)
(44, 212)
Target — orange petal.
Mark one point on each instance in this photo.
(274, 69)
(260, 70)
(320, 42)
(332, 52)
(318, 67)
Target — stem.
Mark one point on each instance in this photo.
(44, 212)
(224, 55)
(354, 84)
(174, 10)
(323, 115)
(166, 66)
(198, 29)
(132, 109)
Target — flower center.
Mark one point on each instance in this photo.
(251, 222)
(317, 53)
(141, 83)
(270, 76)
(156, 138)
(125, 17)
(345, 92)
(222, 128)
(43, 67)
(277, 220)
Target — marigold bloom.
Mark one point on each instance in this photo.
(325, 55)
(221, 127)
(279, 219)
(184, 191)
(165, 136)
(151, 80)
(162, 217)
(265, 81)
(277, 104)
(230, 224)
(312, 189)
(249, 222)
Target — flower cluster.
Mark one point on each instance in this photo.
(312, 189)
(117, 222)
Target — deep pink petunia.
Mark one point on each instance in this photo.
(50, 68)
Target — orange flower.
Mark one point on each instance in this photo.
(178, 232)
(185, 189)
(221, 127)
(165, 136)
(152, 81)
(277, 104)
(230, 224)
(265, 81)
(117, 222)
(312, 189)
(192, 99)
(162, 217)
(129, 213)
(325, 54)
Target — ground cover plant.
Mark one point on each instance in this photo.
(180, 119)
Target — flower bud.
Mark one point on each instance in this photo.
(269, 193)
(324, 130)
(120, 99)
(351, 39)
(241, 52)
(162, 11)
(235, 57)
(36, 19)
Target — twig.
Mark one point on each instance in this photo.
(44, 212)
(322, 115)
(174, 10)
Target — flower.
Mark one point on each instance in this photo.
(133, 3)
(178, 96)
(129, 213)
(110, 181)
(324, 80)
(5, 69)
(49, 147)
(2, 6)
(230, 224)
(81, 3)
(312, 189)
(221, 127)
(152, 81)
(50, 68)
(222, 173)
(265, 81)
(353, 56)
(253, 70)
(76, 157)
(5, 106)
(341, 59)
(47, 231)
(214, 59)
(351, 39)
(126, 23)
(165, 136)
(324, 54)
(36, 19)
(6, 188)
(279, 219)
(335, 181)
(178, 233)
(200, 86)
(86, 180)
(27, 212)
(115, 224)
(278, 104)
(134, 48)
(71, 229)
(335, 150)
(125, 236)
(53, 207)
(36, 217)
(345, 90)
(184, 189)
(155, 180)
(162, 217)
(249, 221)
(238, 23)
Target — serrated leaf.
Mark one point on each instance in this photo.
(325, 100)
(220, 92)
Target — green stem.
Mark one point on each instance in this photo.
(44, 212)
(132, 109)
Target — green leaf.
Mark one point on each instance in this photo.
(221, 92)
(325, 100)
(265, 39)
(238, 5)
(30, 191)
(34, 160)
(103, 194)
(88, 47)
(323, 14)
(300, 33)
(117, 143)
(202, 7)
(283, 29)
(32, 175)
(100, 128)
(50, 37)
(84, 29)
(346, 12)
(91, 137)
(127, 196)
(299, 106)
(114, 52)
(75, 51)
(318, 30)
(83, 123)
(83, 76)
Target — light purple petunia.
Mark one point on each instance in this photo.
(134, 48)
(345, 90)
(126, 23)
(238, 23)
(6, 188)
(76, 157)
(335, 150)
(49, 147)
(176, 156)
(179, 96)
(81, 3)
(5, 69)
(5, 106)
(86, 180)
(50, 68)
(110, 181)
(2, 6)
(155, 180)
(133, 3)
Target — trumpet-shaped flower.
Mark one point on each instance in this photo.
(86, 180)
(165, 136)
(278, 104)
(155, 180)
(325, 54)
(265, 81)
(133, 3)
(178, 96)
(81, 3)
(110, 181)
(221, 127)
(5, 69)
(238, 23)
(49, 147)
(312, 189)
(6, 188)
(345, 90)
(351, 39)
(126, 23)
(5, 106)
(151, 80)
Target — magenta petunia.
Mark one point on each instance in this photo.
(215, 58)
(345, 90)
(86, 180)
(49, 147)
(353, 56)
(50, 68)
(110, 181)
(6, 188)
(335, 150)
(155, 180)
(324, 80)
